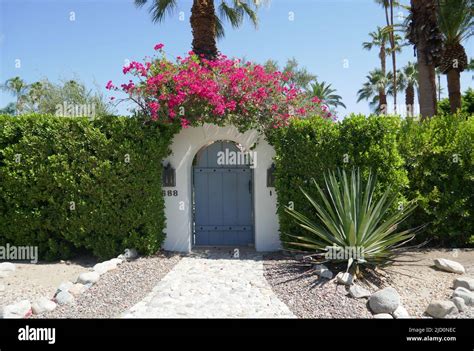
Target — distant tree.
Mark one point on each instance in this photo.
(10, 109)
(18, 88)
(374, 90)
(326, 94)
(408, 81)
(467, 105)
(300, 77)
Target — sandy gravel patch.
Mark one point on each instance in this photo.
(119, 289)
(414, 277)
(418, 282)
(30, 281)
(307, 296)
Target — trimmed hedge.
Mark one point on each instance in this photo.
(70, 184)
(439, 157)
(414, 158)
(308, 148)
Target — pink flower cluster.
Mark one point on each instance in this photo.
(195, 90)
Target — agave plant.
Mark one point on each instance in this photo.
(350, 215)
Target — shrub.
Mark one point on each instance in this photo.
(194, 90)
(70, 184)
(439, 157)
(307, 148)
(350, 223)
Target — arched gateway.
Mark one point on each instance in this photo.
(222, 191)
(220, 196)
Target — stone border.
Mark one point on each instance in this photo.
(66, 293)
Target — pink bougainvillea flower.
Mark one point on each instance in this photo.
(216, 90)
(109, 85)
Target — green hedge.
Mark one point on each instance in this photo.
(69, 184)
(411, 157)
(308, 148)
(439, 157)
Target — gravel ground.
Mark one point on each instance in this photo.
(120, 289)
(308, 297)
(31, 281)
(414, 277)
(418, 282)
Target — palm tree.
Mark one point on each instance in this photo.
(408, 80)
(18, 88)
(379, 39)
(375, 88)
(206, 24)
(424, 34)
(326, 94)
(455, 19)
(388, 5)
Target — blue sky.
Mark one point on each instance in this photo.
(325, 36)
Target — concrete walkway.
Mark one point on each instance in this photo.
(213, 284)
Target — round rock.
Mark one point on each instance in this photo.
(386, 300)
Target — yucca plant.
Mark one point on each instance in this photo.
(348, 214)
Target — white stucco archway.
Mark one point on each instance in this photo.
(178, 209)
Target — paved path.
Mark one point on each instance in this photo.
(213, 285)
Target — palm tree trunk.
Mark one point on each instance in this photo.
(427, 85)
(426, 68)
(394, 58)
(382, 102)
(454, 90)
(383, 63)
(410, 100)
(203, 24)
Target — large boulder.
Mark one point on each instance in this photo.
(386, 300)
(88, 278)
(105, 266)
(400, 312)
(64, 298)
(459, 302)
(16, 310)
(323, 271)
(464, 282)
(345, 278)
(77, 289)
(64, 286)
(466, 295)
(43, 305)
(7, 267)
(130, 254)
(441, 309)
(357, 292)
(449, 266)
(383, 316)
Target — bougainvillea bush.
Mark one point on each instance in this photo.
(193, 90)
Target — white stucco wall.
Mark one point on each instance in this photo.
(178, 209)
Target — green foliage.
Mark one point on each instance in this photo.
(439, 157)
(348, 214)
(49, 165)
(430, 162)
(467, 103)
(307, 148)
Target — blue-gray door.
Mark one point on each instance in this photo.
(222, 198)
